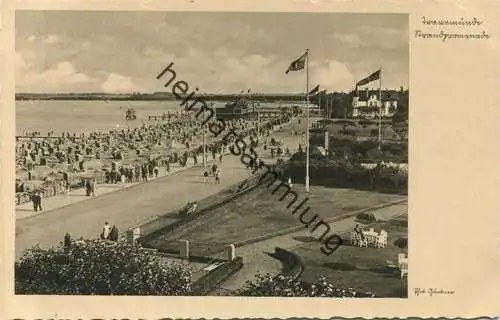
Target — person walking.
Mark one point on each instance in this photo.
(92, 187)
(39, 200)
(34, 199)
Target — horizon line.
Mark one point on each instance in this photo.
(202, 93)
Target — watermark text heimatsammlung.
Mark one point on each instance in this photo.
(330, 241)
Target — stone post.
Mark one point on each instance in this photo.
(184, 249)
(326, 141)
(133, 235)
(230, 252)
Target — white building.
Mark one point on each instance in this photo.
(366, 103)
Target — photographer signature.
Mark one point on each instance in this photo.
(431, 291)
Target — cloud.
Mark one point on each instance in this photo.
(61, 77)
(373, 37)
(19, 62)
(31, 38)
(351, 40)
(117, 83)
(333, 76)
(51, 39)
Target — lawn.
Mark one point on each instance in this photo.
(364, 269)
(259, 213)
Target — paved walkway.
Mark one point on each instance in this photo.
(256, 259)
(130, 206)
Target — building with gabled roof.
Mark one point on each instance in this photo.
(366, 103)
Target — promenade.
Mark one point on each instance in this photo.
(128, 206)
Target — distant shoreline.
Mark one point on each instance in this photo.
(155, 97)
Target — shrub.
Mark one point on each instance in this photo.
(96, 267)
(282, 286)
(348, 132)
(367, 217)
(401, 243)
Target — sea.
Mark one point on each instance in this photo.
(78, 116)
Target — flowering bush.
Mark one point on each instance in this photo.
(282, 286)
(100, 268)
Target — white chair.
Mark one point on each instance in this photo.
(362, 242)
(404, 268)
(371, 239)
(381, 241)
(401, 259)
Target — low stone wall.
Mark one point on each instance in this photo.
(215, 277)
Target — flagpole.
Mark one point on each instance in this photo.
(307, 129)
(204, 144)
(380, 111)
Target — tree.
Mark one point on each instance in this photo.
(282, 286)
(98, 267)
(401, 114)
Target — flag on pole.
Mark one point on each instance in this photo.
(374, 76)
(298, 64)
(314, 90)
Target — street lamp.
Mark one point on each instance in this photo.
(258, 120)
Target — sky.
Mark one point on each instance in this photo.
(121, 52)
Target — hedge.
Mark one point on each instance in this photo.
(283, 286)
(346, 174)
(363, 150)
(96, 267)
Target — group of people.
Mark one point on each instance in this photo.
(109, 232)
(72, 151)
(215, 172)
